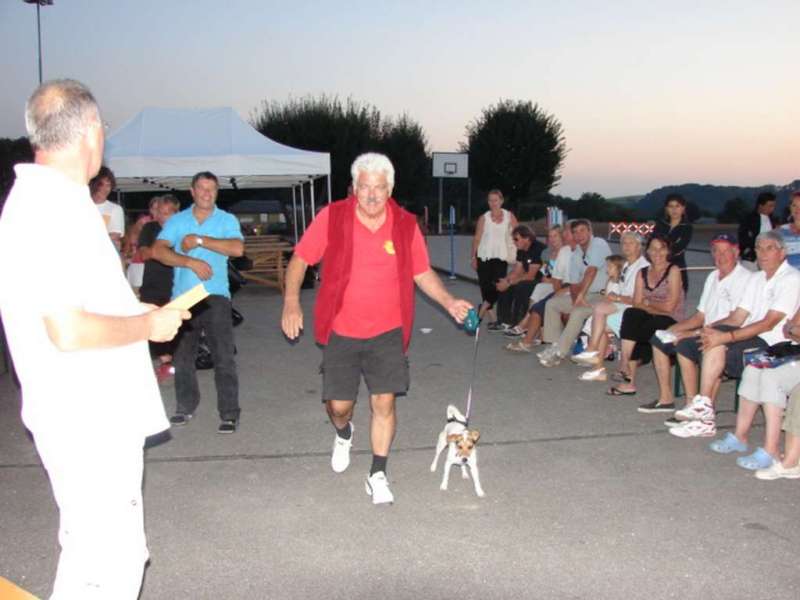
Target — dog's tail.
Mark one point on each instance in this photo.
(453, 414)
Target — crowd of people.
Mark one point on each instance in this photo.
(577, 301)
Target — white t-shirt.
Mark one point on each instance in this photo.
(113, 216)
(561, 268)
(766, 224)
(721, 296)
(629, 273)
(780, 293)
(95, 392)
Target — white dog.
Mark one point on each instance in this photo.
(461, 450)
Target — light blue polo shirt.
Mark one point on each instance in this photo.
(219, 224)
(595, 256)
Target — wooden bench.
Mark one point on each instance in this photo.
(269, 254)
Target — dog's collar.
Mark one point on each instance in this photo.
(454, 420)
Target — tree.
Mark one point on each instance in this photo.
(734, 211)
(517, 147)
(345, 130)
(11, 153)
(403, 141)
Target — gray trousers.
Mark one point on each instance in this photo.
(564, 336)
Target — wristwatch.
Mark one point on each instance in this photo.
(199, 240)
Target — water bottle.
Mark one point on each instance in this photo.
(471, 322)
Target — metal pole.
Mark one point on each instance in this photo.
(330, 196)
(440, 205)
(39, 33)
(303, 207)
(452, 242)
(294, 214)
(469, 200)
(313, 204)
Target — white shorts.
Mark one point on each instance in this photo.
(769, 386)
(98, 488)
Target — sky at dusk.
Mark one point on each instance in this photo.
(648, 93)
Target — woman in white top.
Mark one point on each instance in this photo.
(491, 248)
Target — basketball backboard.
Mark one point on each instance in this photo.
(451, 164)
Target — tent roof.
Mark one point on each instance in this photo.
(162, 148)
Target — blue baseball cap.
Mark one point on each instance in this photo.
(729, 238)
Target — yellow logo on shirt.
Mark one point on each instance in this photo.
(388, 245)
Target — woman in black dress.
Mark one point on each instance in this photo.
(675, 227)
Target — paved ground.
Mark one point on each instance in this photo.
(586, 498)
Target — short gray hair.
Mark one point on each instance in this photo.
(372, 162)
(58, 113)
(634, 236)
(774, 236)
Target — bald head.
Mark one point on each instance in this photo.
(59, 114)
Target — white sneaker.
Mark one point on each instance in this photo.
(695, 429)
(340, 459)
(588, 358)
(778, 471)
(546, 353)
(377, 486)
(700, 409)
(551, 360)
(594, 375)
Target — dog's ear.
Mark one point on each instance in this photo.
(453, 437)
(474, 435)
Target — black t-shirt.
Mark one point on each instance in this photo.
(157, 279)
(531, 256)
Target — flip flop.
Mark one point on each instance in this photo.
(730, 443)
(760, 459)
(615, 391)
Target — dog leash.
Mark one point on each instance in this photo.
(477, 326)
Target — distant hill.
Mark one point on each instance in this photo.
(626, 201)
(711, 198)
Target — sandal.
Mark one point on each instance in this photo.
(760, 459)
(620, 377)
(615, 391)
(594, 375)
(519, 346)
(730, 443)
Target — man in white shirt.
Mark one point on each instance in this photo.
(79, 342)
(772, 296)
(721, 295)
(100, 187)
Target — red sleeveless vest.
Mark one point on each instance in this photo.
(337, 263)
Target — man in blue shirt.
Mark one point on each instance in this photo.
(197, 242)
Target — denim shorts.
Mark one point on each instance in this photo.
(379, 359)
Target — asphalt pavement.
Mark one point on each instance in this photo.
(586, 498)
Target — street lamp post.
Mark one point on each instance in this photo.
(39, 4)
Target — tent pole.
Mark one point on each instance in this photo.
(303, 207)
(313, 204)
(330, 197)
(294, 214)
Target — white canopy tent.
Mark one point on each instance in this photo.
(160, 149)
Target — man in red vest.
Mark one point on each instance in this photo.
(373, 253)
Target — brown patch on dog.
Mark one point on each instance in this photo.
(464, 441)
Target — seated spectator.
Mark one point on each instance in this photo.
(607, 315)
(515, 289)
(657, 304)
(675, 227)
(530, 326)
(587, 271)
(768, 389)
(789, 466)
(772, 295)
(791, 232)
(760, 220)
(722, 292)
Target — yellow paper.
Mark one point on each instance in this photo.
(188, 299)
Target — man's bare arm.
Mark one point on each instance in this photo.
(430, 283)
(76, 329)
(292, 317)
(163, 253)
(225, 246)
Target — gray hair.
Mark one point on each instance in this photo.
(634, 236)
(58, 113)
(372, 162)
(774, 236)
